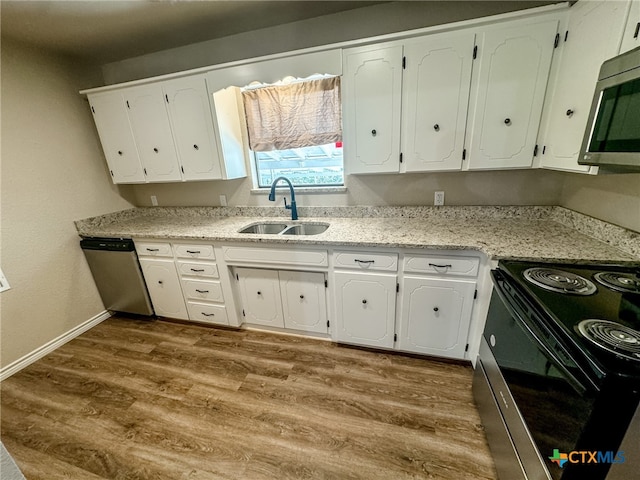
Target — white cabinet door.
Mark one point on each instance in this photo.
(365, 308)
(112, 122)
(631, 35)
(163, 284)
(260, 292)
(304, 301)
(435, 316)
(152, 131)
(192, 124)
(593, 35)
(508, 94)
(435, 97)
(372, 84)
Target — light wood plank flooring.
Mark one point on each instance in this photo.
(135, 399)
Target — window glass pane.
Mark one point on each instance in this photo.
(320, 165)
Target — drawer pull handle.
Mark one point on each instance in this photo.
(208, 314)
(434, 265)
(197, 269)
(193, 251)
(202, 291)
(153, 249)
(368, 262)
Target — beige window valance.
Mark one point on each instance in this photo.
(295, 115)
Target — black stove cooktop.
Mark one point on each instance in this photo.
(596, 308)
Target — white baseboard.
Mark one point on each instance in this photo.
(49, 347)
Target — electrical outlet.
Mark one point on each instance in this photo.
(154, 200)
(223, 200)
(438, 198)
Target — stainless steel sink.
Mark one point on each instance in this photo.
(265, 228)
(306, 229)
(285, 228)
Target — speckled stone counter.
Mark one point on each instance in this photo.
(551, 234)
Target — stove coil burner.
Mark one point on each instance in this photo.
(559, 281)
(613, 337)
(622, 282)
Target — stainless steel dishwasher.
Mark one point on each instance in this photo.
(116, 271)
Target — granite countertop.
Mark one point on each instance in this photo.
(524, 233)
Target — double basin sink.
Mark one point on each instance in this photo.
(267, 228)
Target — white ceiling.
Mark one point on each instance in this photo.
(104, 31)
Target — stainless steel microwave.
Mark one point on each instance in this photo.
(612, 137)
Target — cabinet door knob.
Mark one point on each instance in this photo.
(435, 309)
(301, 297)
(364, 301)
(373, 132)
(507, 121)
(195, 147)
(259, 292)
(120, 152)
(436, 127)
(155, 150)
(569, 113)
(160, 282)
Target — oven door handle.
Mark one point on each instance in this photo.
(530, 330)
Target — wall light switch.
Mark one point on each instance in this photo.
(154, 200)
(223, 200)
(438, 198)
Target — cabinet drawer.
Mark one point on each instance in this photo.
(202, 290)
(280, 257)
(462, 266)
(208, 313)
(366, 261)
(198, 269)
(204, 252)
(154, 249)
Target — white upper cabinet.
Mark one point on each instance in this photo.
(593, 34)
(112, 122)
(152, 131)
(192, 124)
(372, 86)
(508, 93)
(166, 131)
(631, 35)
(437, 79)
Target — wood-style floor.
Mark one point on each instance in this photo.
(134, 399)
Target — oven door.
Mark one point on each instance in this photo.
(553, 396)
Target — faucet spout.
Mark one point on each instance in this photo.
(292, 207)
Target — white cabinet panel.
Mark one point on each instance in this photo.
(260, 292)
(366, 260)
(164, 287)
(192, 124)
(593, 35)
(152, 131)
(112, 122)
(435, 316)
(631, 35)
(202, 290)
(276, 256)
(435, 95)
(304, 301)
(509, 90)
(202, 312)
(202, 252)
(437, 265)
(372, 84)
(198, 269)
(154, 249)
(365, 308)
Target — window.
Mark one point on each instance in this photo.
(295, 130)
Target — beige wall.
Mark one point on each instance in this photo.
(614, 198)
(53, 173)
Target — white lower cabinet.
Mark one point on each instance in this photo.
(365, 308)
(163, 284)
(284, 299)
(435, 315)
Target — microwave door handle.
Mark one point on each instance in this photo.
(529, 331)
